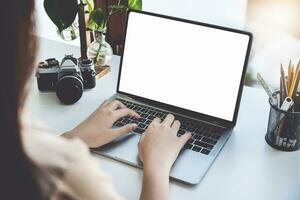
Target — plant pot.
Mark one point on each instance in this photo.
(100, 50)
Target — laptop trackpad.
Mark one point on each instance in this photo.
(124, 149)
(190, 166)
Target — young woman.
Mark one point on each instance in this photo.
(36, 165)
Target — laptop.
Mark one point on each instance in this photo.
(192, 70)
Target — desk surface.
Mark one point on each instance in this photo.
(247, 168)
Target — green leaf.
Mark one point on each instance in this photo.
(135, 4)
(61, 12)
(96, 20)
(90, 4)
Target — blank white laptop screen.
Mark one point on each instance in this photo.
(181, 64)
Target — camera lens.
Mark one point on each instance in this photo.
(69, 89)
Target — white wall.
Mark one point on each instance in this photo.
(45, 27)
(230, 13)
(222, 12)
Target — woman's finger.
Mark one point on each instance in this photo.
(126, 112)
(116, 132)
(175, 126)
(156, 120)
(115, 104)
(168, 120)
(184, 138)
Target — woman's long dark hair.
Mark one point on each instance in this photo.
(19, 176)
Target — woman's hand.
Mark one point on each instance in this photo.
(97, 130)
(160, 145)
(158, 149)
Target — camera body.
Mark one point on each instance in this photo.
(68, 78)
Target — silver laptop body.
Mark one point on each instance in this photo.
(207, 64)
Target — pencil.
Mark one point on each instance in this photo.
(280, 92)
(292, 75)
(285, 91)
(295, 82)
(288, 77)
(298, 65)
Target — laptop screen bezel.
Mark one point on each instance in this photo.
(186, 112)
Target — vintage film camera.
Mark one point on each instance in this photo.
(68, 79)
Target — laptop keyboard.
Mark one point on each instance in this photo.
(205, 136)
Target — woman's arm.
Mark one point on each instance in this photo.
(158, 149)
(83, 175)
(155, 183)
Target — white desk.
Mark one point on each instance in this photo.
(247, 168)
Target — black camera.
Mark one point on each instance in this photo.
(68, 79)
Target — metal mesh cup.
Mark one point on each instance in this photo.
(283, 129)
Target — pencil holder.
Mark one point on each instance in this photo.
(283, 129)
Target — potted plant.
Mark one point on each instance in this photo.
(63, 14)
